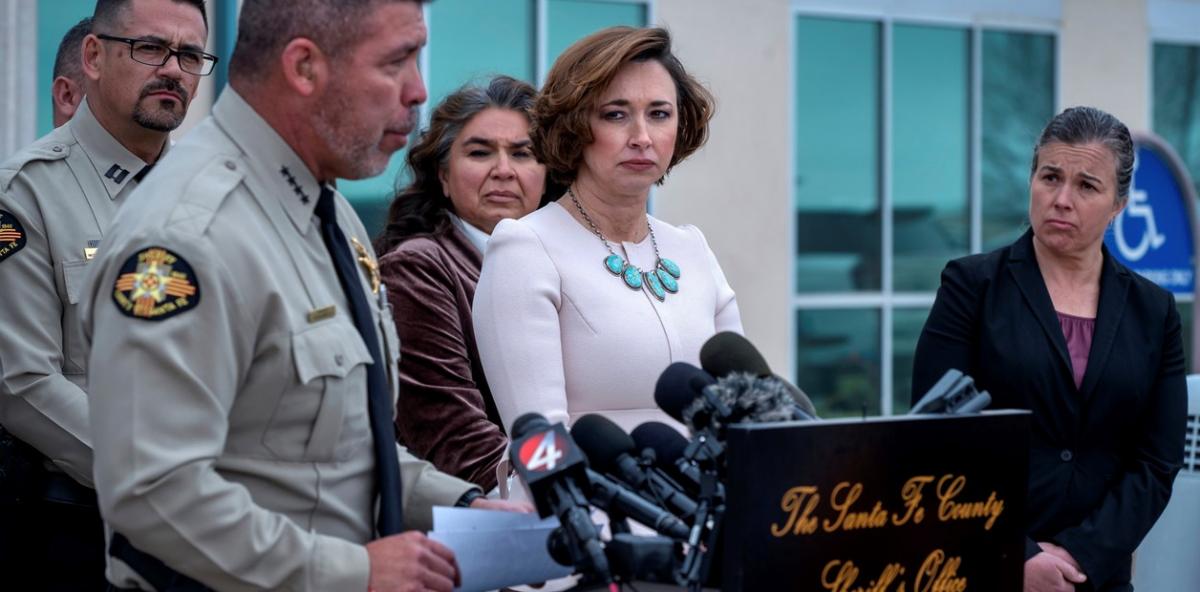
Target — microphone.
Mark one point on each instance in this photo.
(750, 399)
(728, 352)
(553, 468)
(668, 447)
(612, 451)
(615, 499)
(679, 386)
(953, 394)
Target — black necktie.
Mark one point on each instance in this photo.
(379, 398)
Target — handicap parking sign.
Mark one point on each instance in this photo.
(1153, 235)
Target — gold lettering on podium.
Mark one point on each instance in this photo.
(799, 503)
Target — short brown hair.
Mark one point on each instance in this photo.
(561, 116)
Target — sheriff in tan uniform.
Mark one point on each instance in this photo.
(57, 198)
(229, 381)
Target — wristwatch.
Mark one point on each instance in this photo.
(468, 498)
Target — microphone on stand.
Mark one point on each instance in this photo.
(728, 352)
(668, 447)
(555, 471)
(953, 394)
(611, 450)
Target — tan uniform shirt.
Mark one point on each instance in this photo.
(57, 198)
(228, 383)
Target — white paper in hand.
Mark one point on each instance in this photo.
(497, 549)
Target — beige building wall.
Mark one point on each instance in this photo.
(1104, 58)
(737, 188)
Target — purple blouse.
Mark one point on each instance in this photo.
(1078, 332)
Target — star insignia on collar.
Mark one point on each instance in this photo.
(295, 185)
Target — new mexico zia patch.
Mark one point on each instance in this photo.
(156, 284)
(12, 235)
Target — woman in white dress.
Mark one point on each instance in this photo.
(582, 304)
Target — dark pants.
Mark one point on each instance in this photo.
(51, 536)
(51, 546)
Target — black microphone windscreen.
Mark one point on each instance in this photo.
(728, 352)
(527, 424)
(668, 445)
(750, 398)
(678, 386)
(601, 440)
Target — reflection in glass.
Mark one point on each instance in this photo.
(906, 329)
(1018, 101)
(837, 155)
(572, 20)
(837, 360)
(1177, 102)
(930, 152)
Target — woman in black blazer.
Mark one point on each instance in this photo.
(1053, 324)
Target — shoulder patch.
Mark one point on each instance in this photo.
(156, 284)
(12, 235)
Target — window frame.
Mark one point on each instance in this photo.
(976, 17)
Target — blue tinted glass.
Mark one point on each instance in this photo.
(1177, 102)
(906, 329)
(471, 41)
(837, 360)
(572, 20)
(930, 152)
(837, 155)
(1018, 101)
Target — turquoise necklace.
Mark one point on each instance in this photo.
(660, 281)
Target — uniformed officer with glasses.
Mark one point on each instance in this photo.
(141, 65)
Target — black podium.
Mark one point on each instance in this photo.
(924, 503)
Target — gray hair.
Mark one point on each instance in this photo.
(265, 27)
(1083, 125)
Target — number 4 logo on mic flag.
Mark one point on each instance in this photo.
(541, 453)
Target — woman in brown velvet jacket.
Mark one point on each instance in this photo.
(471, 168)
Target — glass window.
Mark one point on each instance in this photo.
(1018, 101)
(906, 329)
(471, 41)
(837, 360)
(1177, 102)
(572, 20)
(930, 152)
(54, 19)
(837, 155)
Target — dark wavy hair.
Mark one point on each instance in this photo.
(421, 207)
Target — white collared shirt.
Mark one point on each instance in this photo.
(477, 237)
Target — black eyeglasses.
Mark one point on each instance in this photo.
(156, 54)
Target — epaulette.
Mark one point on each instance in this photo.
(50, 147)
(205, 193)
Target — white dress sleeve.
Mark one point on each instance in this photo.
(515, 315)
(726, 316)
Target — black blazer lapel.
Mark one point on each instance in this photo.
(1022, 265)
(1114, 287)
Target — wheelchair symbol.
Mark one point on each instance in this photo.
(1138, 207)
